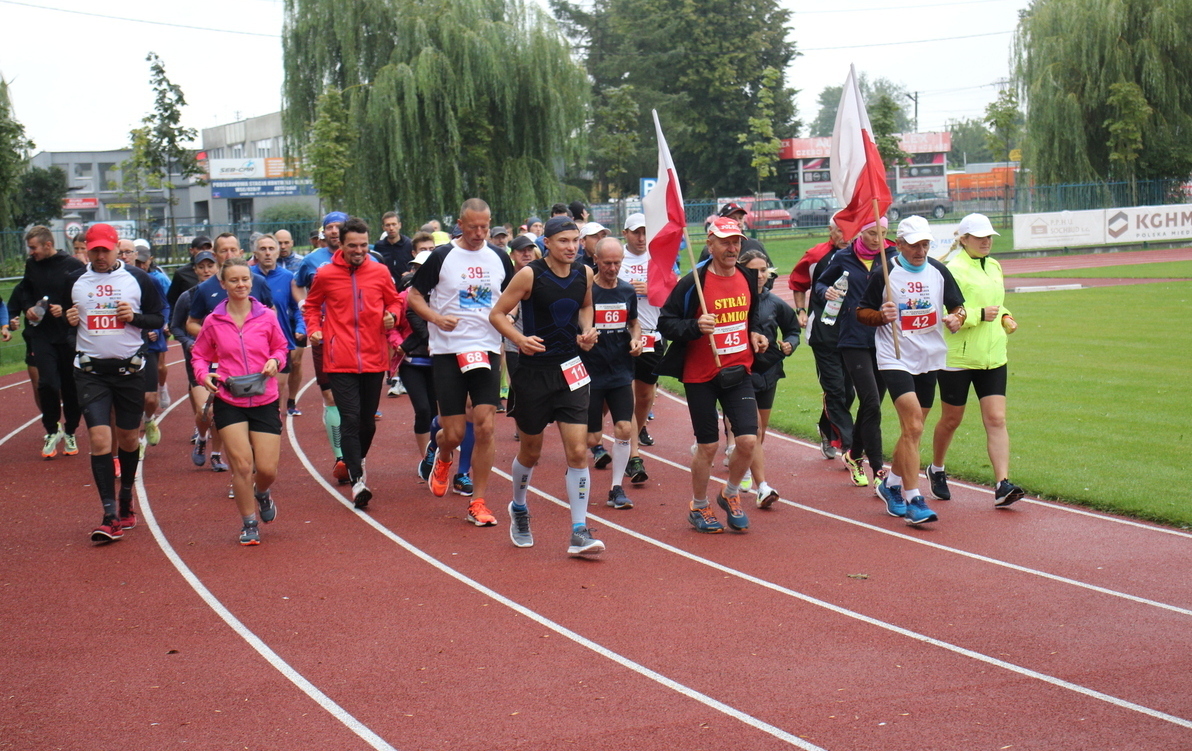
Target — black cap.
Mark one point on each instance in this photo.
(557, 224)
(577, 210)
(519, 242)
(729, 209)
(200, 241)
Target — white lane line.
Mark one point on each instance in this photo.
(957, 551)
(1083, 690)
(18, 430)
(983, 489)
(275, 660)
(558, 628)
(13, 385)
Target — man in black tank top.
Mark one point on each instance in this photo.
(551, 384)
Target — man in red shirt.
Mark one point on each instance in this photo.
(351, 304)
(711, 352)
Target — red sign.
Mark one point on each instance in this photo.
(77, 204)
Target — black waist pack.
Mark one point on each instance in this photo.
(252, 384)
(731, 377)
(111, 366)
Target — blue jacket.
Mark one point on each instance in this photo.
(853, 334)
(289, 315)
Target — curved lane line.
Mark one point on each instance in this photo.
(274, 659)
(542, 620)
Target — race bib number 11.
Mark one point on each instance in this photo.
(575, 373)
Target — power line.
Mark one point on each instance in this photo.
(890, 44)
(141, 20)
(900, 7)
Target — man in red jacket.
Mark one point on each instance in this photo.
(351, 304)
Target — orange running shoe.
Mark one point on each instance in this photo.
(440, 476)
(479, 514)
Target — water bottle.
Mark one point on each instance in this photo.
(42, 306)
(832, 309)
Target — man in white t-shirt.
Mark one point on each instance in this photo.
(921, 300)
(634, 269)
(453, 291)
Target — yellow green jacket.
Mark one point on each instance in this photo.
(979, 345)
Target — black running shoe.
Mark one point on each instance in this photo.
(644, 437)
(636, 470)
(939, 484)
(1006, 494)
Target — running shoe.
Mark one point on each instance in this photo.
(826, 447)
(462, 485)
(878, 478)
(939, 485)
(217, 463)
(643, 437)
(857, 468)
(918, 513)
(635, 470)
(396, 388)
(892, 495)
(152, 432)
(617, 498)
(109, 531)
(141, 446)
(266, 505)
(736, 515)
(194, 437)
(766, 495)
(49, 449)
(196, 454)
(128, 520)
(519, 527)
(439, 476)
(479, 514)
(116, 466)
(650, 415)
(361, 495)
(704, 520)
(294, 411)
(250, 534)
(728, 454)
(70, 446)
(163, 397)
(427, 463)
(1006, 494)
(747, 480)
(603, 458)
(340, 471)
(377, 415)
(231, 490)
(582, 543)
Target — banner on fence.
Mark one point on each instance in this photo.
(1102, 226)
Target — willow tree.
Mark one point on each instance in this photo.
(445, 99)
(1069, 56)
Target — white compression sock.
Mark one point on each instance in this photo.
(577, 493)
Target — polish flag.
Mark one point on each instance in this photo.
(665, 222)
(858, 175)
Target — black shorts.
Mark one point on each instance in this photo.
(99, 395)
(453, 387)
(739, 404)
(765, 397)
(316, 354)
(620, 405)
(263, 418)
(645, 363)
(29, 363)
(284, 365)
(150, 372)
(954, 384)
(899, 382)
(542, 396)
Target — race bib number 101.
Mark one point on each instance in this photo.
(104, 324)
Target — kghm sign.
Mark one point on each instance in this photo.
(1100, 226)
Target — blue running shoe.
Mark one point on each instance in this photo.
(892, 495)
(602, 457)
(737, 519)
(918, 513)
(704, 520)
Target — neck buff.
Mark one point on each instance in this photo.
(909, 266)
(863, 251)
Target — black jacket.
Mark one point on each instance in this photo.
(677, 318)
(184, 278)
(48, 277)
(775, 315)
(397, 256)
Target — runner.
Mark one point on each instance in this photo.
(453, 292)
(156, 345)
(241, 342)
(977, 356)
(286, 300)
(920, 288)
(634, 269)
(351, 304)
(522, 250)
(204, 266)
(610, 362)
(114, 303)
(712, 354)
(551, 385)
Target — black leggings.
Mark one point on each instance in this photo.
(861, 366)
(419, 381)
(357, 396)
(56, 390)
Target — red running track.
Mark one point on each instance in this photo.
(828, 625)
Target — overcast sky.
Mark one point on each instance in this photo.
(80, 81)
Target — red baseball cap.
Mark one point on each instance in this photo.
(102, 236)
(722, 226)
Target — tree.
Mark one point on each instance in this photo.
(1005, 122)
(700, 70)
(444, 100)
(615, 140)
(969, 143)
(1068, 56)
(883, 116)
(39, 196)
(764, 146)
(329, 151)
(298, 218)
(1130, 115)
(14, 156)
(829, 102)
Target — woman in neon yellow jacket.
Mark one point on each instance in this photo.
(977, 357)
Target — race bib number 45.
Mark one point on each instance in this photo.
(731, 338)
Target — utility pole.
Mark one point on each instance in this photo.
(915, 98)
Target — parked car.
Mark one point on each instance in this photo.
(762, 213)
(813, 212)
(923, 204)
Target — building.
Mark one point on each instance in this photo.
(806, 162)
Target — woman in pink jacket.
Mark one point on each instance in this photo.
(242, 337)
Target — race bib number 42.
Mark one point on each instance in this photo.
(922, 319)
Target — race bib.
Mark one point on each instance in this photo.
(649, 339)
(472, 361)
(731, 338)
(611, 316)
(104, 324)
(575, 373)
(917, 320)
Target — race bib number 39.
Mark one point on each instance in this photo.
(731, 338)
(611, 316)
(575, 373)
(472, 361)
(104, 324)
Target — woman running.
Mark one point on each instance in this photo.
(244, 338)
(977, 356)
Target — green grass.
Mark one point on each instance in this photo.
(1099, 406)
(1164, 270)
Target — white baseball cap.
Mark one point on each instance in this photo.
(591, 228)
(914, 229)
(635, 221)
(977, 225)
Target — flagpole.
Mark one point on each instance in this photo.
(699, 291)
(877, 217)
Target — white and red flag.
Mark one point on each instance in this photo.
(858, 175)
(665, 222)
